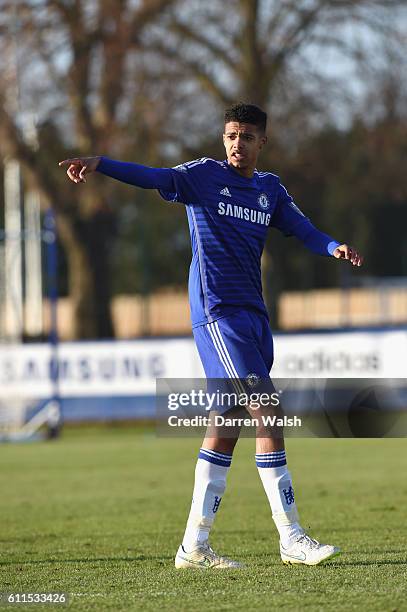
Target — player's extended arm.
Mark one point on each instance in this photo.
(126, 172)
(322, 244)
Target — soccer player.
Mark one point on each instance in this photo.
(230, 206)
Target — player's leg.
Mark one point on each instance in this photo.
(212, 467)
(213, 463)
(210, 483)
(295, 545)
(272, 466)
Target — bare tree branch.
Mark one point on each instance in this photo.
(218, 52)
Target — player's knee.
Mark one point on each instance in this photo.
(219, 444)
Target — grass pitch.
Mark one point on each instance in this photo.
(100, 513)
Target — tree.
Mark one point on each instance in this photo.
(74, 62)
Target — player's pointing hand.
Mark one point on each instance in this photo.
(79, 167)
(344, 251)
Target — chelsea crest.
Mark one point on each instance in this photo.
(263, 201)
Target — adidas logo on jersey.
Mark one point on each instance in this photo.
(225, 192)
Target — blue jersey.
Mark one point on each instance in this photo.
(229, 216)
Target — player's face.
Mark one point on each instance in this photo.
(243, 143)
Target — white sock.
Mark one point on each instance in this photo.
(210, 483)
(278, 486)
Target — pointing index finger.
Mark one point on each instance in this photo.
(67, 162)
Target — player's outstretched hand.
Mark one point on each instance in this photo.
(344, 251)
(79, 167)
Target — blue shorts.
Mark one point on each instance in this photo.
(238, 346)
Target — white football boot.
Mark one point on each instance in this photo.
(203, 557)
(307, 551)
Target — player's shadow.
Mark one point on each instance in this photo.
(90, 560)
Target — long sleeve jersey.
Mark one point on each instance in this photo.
(229, 216)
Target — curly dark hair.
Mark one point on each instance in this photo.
(247, 113)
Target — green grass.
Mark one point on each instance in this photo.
(100, 514)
